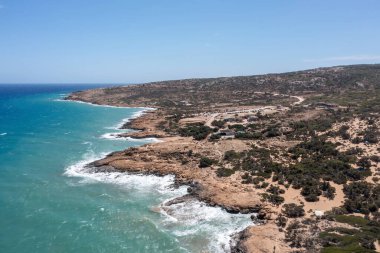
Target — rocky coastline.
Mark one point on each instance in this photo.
(300, 167)
(142, 128)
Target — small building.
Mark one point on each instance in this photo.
(226, 134)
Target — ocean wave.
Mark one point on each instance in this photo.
(2, 134)
(140, 182)
(82, 102)
(192, 219)
(115, 136)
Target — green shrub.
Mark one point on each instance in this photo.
(218, 123)
(224, 172)
(273, 198)
(237, 127)
(205, 162)
(197, 131)
(293, 210)
(231, 155)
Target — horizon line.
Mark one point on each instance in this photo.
(146, 82)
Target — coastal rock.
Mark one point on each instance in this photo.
(178, 200)
(233, 210)
(105, 168)
(265, 238)
(261, 215)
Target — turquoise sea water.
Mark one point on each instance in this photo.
(49, 202)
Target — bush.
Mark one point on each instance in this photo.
(214, 137)
(375, 158)
(357, 140)
(248, 135)
(272, 132)
(237, 127)
(205, 162)
(273, 198)
(224, 172)
(343, 132)
(371, 135)
(293, 211)
(218, 123)
(364, 162)
(281, 221)
(275, 190)
(311, 189)
(327, 190)
(198, 131)
(231, 155)
(312, 198)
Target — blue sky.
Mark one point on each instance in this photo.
(124, 41)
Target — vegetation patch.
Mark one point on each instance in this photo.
(351, 240)
(197, 131)
(205, 162)
(224, 172)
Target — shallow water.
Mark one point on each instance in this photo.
(49, 202)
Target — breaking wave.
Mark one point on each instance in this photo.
(192, 221)
(88, 175)
(116, 136)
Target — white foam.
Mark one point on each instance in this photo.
(144, 139)
(87, 103)
(187, 221)
(116, 136)
(111, 136)
(194, 218)
(139, 182)
(2, 134)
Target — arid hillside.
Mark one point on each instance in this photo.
(323, 84)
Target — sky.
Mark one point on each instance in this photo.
(125, 41)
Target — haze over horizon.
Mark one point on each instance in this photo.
(141, 41)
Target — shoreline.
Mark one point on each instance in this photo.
(190, 195)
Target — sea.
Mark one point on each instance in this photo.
(51, 202)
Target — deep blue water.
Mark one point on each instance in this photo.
(49, 202)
